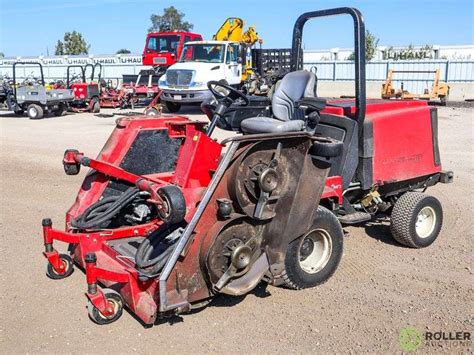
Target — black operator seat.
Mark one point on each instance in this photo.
(288, 105)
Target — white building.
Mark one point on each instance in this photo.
(461, 52)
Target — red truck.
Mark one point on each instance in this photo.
(163, 49)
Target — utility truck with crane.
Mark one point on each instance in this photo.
(227, 59)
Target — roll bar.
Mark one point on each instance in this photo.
(26, 63)
(359, 51)
(68, 70)
(93, 66)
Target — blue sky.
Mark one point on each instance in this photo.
(109, 25)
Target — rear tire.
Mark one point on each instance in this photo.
(416, 220)
(314, 257)
(172, 107)
(35, 112)
(60, 110)
(95, 105)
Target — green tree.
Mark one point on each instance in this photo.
(2, 55)
(371, 44)
(72, 44)
(123, 51)
(170, 20)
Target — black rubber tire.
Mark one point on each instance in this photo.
(172, 107)
(175, 203)
(69, 268)
(294, 276)
(111, 296)
(35, 112)
(152, 112)
(404, 217)
(444, 100)
(95, 105)
(72, 169)
(60, 110)
(327, 149)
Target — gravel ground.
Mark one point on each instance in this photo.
(379, 288)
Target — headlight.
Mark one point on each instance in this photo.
(162, 81)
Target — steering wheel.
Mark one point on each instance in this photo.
(232, 95)
(224, 102)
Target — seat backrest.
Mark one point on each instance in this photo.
(293, 87)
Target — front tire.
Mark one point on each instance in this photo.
(416, 220)
(172, 107)
(314, 257)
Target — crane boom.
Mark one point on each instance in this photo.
(233, 30)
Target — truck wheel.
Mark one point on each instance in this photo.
(35, 112)
(416, 219)
(312, 259)
(152, 112)
(172, 106)
(60, 110)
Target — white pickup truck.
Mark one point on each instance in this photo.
(185, 82)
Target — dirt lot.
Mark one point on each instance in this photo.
(380, 287)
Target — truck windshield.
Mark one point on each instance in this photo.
(163, 43)
(208, 53)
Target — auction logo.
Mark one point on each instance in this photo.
(411, 339)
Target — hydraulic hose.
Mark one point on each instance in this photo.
(101, 213)
(161, 243)
(153, 252)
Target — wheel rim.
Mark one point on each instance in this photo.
(116, 305)
(315, 251)
(425, 222)
(66, 268)
(33, 112)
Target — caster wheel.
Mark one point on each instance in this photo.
(115, 301)
(68, 268)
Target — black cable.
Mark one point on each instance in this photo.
(99, 214)
(165, 239)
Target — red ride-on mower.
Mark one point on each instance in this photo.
(164, 221)
(86, 92)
